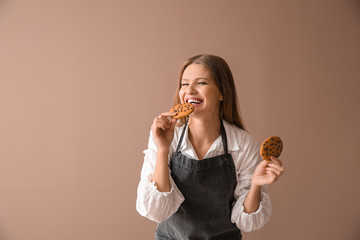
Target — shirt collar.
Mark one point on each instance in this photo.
(232, 141)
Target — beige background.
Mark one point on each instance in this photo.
(81, 81)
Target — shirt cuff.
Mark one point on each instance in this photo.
(153, 188)
(155, 205)
(248, 222)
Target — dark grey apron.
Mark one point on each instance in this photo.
(208, 187)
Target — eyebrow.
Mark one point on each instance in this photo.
(195, 79)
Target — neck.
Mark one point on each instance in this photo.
(204, 130)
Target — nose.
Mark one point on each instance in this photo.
(191, 89)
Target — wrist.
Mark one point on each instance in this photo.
(255, 190)
(162, 151)
(255, 186)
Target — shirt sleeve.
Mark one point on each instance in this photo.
(156, 206)
(248, 222)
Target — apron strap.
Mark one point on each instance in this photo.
(223, 136)
(181, 137)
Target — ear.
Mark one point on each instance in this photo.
(221, 98)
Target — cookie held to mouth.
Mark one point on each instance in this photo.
(272, 146)
(182, 110)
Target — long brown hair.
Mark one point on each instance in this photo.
(220, 70)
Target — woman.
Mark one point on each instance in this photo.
(203, 179)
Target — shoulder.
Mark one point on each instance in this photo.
(244, 149)
(239, 139)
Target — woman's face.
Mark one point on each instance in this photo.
(198, 87)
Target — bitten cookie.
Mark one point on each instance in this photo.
(182, 110)
(272, 146)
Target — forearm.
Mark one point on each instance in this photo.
(161, 173)
(252, 200)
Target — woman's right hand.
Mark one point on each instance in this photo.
(163, 130)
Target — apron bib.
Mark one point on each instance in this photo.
(208, 187)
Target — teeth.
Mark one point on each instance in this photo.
(194, 101)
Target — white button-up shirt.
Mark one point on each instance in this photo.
(158, 206)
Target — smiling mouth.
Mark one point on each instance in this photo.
(194, 101)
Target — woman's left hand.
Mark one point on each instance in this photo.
(267, 172)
